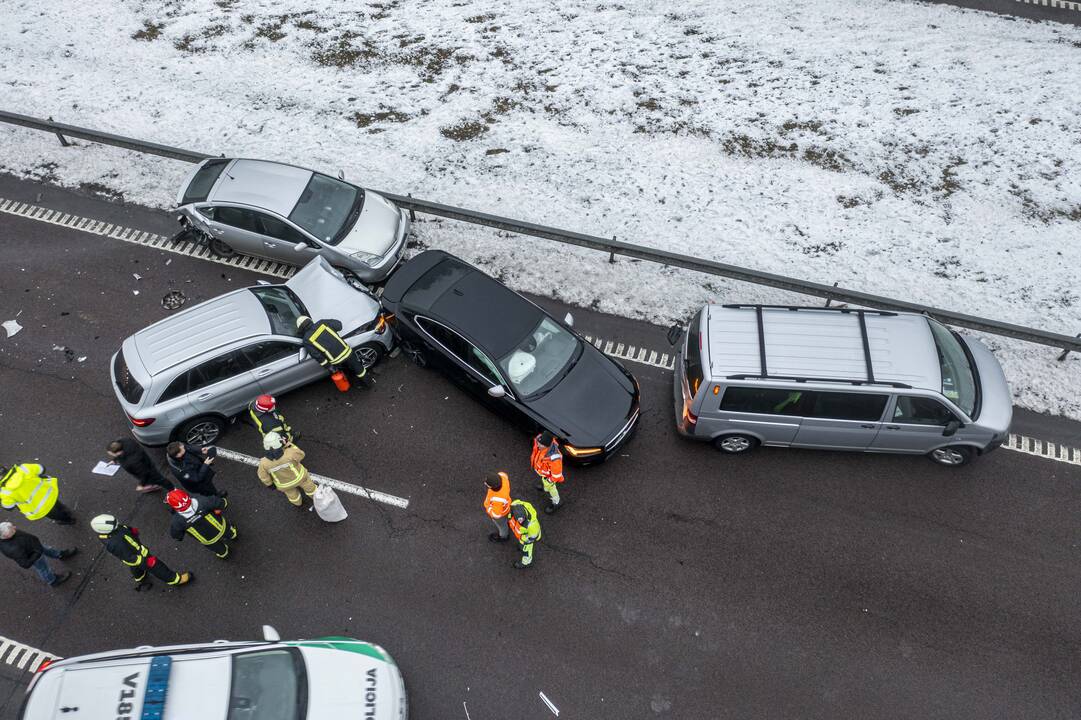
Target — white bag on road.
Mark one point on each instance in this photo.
(327, 504)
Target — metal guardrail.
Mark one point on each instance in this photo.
(613, 247)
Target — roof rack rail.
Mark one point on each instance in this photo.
(750, 306)
(752, 376)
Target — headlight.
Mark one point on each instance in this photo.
(582, 452)
(379, 325)
(364, 257)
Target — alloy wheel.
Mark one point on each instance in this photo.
(736, 444)
(948, 456)
(203, 433)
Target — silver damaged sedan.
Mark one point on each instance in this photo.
(289, 214)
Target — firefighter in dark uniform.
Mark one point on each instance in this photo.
(264, 415)
(327, 346)
(123, 542)
(201, 517)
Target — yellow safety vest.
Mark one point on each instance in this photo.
(334, 359)
(25, 487)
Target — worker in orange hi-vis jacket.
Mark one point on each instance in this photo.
(547, 462)
(497, 504)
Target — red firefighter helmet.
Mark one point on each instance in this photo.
(178, 500)
(265, 403)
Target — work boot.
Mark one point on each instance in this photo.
(552, 508)
(522, 566)
(65, 554)
(496, 537)
(61, 579)
(539, 487)
(147, 488)
(186, 577)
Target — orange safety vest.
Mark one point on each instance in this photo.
(497, 502)
(547, 461)
(532, 530)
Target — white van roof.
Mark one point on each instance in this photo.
(807, 343)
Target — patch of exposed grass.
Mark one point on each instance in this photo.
(480, 18)
(151, 31)
(272, 30)
(306, 24)
(363, 120)
(215, 31)
(342, 52)
(827, 248)
(904, 111)
(100, 190)
(465, 130)
(187, 44)
(432, 61)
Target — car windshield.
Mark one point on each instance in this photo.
(540, 358)
(267, 685)
(282, 307)
(958, 380)
(327, 208)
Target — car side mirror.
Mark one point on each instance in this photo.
(569, 319)
(341, 174)
(951, 428)
(302, 355)
(300, 246)
(497, 391)
(270, 634)
(674, 334)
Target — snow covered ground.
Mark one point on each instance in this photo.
(917, 151)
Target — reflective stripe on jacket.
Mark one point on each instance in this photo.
(497, 502)
(266, 422)
(547, 461)
(329, 343)
(27, 487)
(284, 472)
(125, 546)
(208, 528)
(531, 532)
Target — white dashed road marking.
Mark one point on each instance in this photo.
(22, 657)
(344, 487)
(631, 353)
(1064, 4)
(140, 237)
(1044, 449)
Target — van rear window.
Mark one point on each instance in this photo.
(692, 359)
(131, 390)
(199, 187)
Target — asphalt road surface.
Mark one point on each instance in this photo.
(676, 583)
(1027, 10)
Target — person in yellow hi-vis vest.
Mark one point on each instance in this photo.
(281, 468)
(26, 486)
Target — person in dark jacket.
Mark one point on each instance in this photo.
(129, 454)
(29, 552)
(192, 467)
(201, 517)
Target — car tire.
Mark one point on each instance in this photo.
(415, 354)
(735, 444)
(200, 431)
(370, 353)
(952, 455)
(220, 248)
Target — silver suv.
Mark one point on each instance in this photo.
(184, 377)
(837, 379)
(291, 215)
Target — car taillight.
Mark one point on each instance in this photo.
(44, 664)
(689, 417)
(140, 422)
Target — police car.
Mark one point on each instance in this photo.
(322, 679)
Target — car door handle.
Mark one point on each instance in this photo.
(869, 427)
(219, 231)
(893, 427)
(263, 372)
(204, 396)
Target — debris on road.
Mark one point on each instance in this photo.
(11, 327)
(137, 276)
(135, 292)
(173, 300)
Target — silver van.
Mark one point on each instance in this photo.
(185, 377)
(837, 379)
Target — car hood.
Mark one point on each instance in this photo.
(591, 403)
(327, 296)
(996, 403)
(351, 683)
(376, 228)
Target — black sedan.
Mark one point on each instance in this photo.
(511, 355)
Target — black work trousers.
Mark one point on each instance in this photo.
(148, 474)
(355, 366)
(159, 570)
(60, 514)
